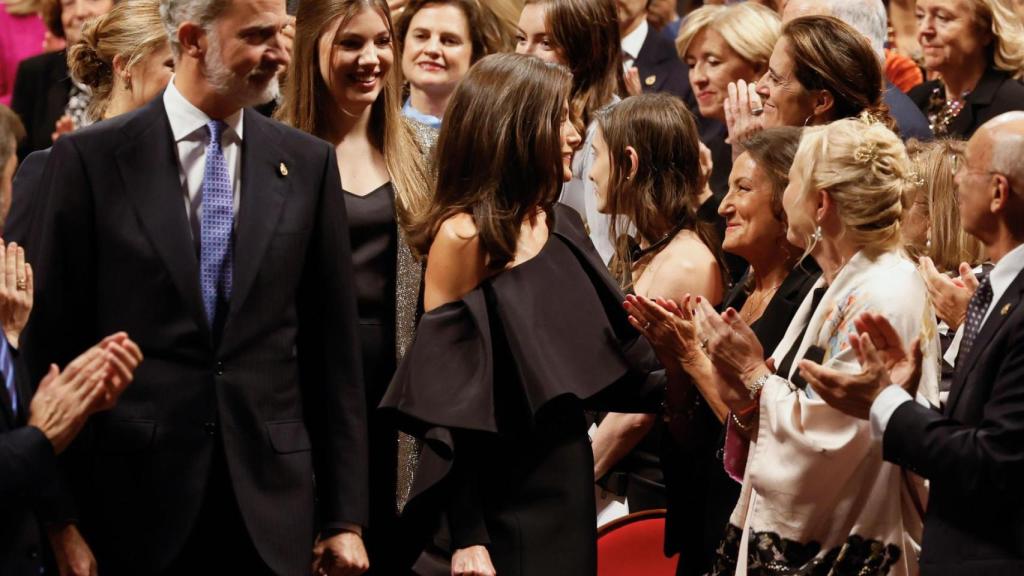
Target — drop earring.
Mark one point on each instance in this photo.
(127, 81)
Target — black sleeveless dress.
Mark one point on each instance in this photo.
(373, 231)
(496, 385)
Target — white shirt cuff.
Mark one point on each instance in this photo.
(954, 346)
(883, 407)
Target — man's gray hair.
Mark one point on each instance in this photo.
(867, 17)
(1007, 151)
(176, 12)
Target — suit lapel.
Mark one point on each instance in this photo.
(264, 189)
(149, 169)
(996, 318)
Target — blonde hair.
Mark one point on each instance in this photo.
(23, 7)
(131, 30)
(935, 164)
(750, 30)
(1007, 34)
(307, 100)
(865, 169)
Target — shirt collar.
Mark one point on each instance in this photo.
(186, 119)
(413, 114)
(633, 42)
(1006, 270)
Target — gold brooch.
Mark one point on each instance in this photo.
(1006, 309)
(283, 169)
(650, 80)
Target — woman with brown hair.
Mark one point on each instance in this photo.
(584, 36)
(647, 173)
(344, 88)
(821, 70)
(438, 40)
(523, 329)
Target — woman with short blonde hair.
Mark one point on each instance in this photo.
(976, 47)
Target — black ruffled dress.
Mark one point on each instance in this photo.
(496, 385)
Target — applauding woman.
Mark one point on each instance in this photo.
(522, 330)
(344, 88)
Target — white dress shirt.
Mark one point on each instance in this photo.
(1000, 278)
(632, 43)
(188, 125)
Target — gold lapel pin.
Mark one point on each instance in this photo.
(650, 80)
(1006, 309)
(283, 169)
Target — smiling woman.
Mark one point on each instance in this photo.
(439, 40)
(344, 88)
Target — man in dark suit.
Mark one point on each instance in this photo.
(658, 67)
(218, 238)
(973, 451)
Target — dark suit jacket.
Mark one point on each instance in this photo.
(660, 68)
(973, 453)
(281, 387)
(909, 118)
(41, 91)
(995, 93)
(28, 473)
(701, 496)
(26, 200)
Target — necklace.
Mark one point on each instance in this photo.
(942, 111)
(753, 308)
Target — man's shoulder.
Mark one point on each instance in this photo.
(287, 136)
(660, 50)
(42, 62)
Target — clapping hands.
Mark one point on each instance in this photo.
(16, 289)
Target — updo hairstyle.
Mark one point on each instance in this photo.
(865, 169)
(132, 30)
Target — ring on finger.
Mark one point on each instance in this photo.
(647, 325)
(22, 284)
(757, 111)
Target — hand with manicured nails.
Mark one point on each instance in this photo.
(949, 296)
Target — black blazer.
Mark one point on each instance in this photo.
(26, 199)
(660, 68)
(973, 453)
(28, 482)
(701, 496)
(42, 88)
(995, 93)
(280, 389)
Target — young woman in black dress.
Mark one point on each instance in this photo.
(523, 330)
(344, 87)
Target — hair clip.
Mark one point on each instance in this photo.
(866, 153)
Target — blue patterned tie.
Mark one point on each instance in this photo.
(215, 253)
(976, 309)
(7, 372)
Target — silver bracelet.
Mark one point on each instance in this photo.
(755, 388)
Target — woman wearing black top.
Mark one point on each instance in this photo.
(523, 329)
(700, 494)
(345, 89)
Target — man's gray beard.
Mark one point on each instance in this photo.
(225, 83)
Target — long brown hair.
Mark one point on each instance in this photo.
(662, 196)
(499, 154)
(307, 101)
(587, 33)
(828, 54)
